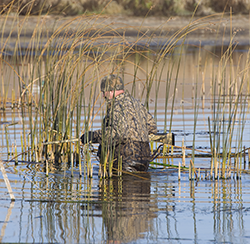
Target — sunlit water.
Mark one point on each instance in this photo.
(154, 207)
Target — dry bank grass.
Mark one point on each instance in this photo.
(131, 7)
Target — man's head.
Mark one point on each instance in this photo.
(112, 83)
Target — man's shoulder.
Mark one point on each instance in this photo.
(131, 103)
(128, 96)
(127, 99)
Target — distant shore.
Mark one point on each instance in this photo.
(204, 30)
(127, 7)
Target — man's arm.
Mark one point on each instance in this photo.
(112, 130)
(166, 138)
(91, 136)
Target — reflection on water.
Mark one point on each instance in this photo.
(153, 207)
(7, 218)
(126, 208)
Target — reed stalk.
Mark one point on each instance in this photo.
(79, 160)
(193, 169)
(183, 153)
(105, 166)
(190, 171)
(16, 160)
(47, 168)
(72, 162)
(120, 166)
(21, 138)
(100, 172)
(7, 141)
(215, 167)
(110, 168)
(179, 172)
(6, 180)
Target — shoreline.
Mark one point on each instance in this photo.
(210, 30)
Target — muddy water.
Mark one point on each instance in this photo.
(147, 208)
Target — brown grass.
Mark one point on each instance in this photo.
(129, 7)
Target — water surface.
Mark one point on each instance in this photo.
(154, 207)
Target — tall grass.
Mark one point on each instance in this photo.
(67, 63)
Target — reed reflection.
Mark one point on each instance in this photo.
(127, 209)
(7, 218)
(72, 208)
(229, 209)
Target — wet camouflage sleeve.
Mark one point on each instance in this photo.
(126, 119)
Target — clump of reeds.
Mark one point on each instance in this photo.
(58, 77)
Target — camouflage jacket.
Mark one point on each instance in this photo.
(126, 120)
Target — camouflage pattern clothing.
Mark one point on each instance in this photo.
(112, 83)
(125, 132)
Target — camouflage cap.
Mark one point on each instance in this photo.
(111, 83)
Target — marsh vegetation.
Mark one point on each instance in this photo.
(50, 95)
(54, 86)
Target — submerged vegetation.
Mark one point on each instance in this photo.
(54, 82)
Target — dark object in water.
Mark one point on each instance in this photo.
(136, 156)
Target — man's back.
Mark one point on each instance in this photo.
(129, 119)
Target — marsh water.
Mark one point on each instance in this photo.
(154, 207)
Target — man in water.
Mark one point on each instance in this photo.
(125, 128)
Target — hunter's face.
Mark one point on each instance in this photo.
(108, 95)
